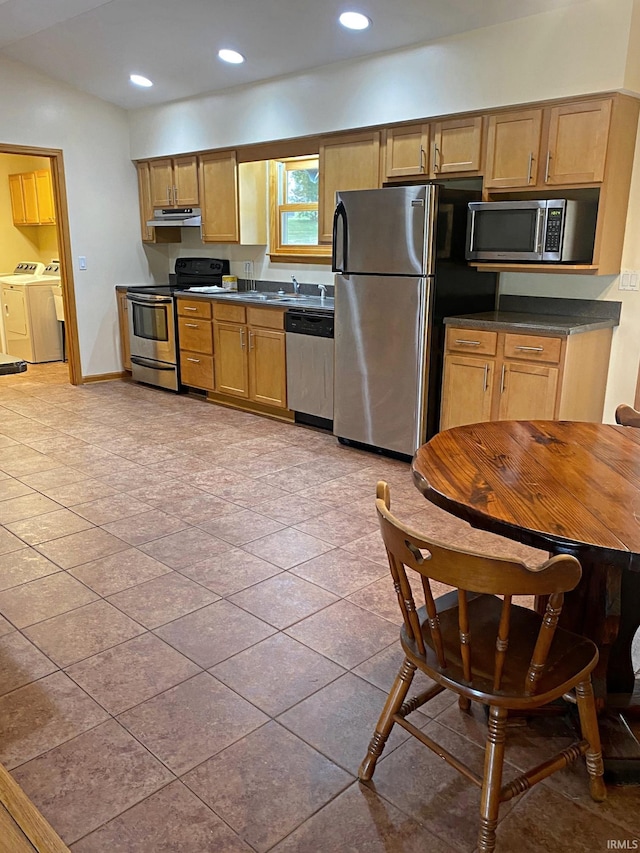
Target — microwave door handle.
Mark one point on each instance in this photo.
(340, 213)
(472, 231)
(542, 215)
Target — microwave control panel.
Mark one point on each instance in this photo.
(553, 230)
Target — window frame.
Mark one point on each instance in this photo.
(310, 252)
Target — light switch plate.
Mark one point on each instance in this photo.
(629, 280)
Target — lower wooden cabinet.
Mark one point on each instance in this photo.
(267, 367)
(250, 354)
(231, 357)
(515, 376)
(195, 336)
(123, 325)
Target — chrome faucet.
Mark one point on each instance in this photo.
(323, 290)
(296, 286)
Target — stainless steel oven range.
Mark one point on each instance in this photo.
(152, 336)
(152, 321)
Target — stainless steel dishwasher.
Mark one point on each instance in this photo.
(310, 367)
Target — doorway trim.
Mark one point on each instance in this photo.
(64, 248)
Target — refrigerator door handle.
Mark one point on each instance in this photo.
(339, 213)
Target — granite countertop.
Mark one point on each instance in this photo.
(266, 299)
(543, 315)
(543, 324)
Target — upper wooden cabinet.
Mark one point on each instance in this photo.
(44, 195)
(32, 198)
(457, 145)
(174, 182)
(451, 147)
(347, 162)
(577, 143)
(513, 146)
(407, 151)
(166, 234)
(561, 145)
(219, 197)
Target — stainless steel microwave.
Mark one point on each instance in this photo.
(555, 230)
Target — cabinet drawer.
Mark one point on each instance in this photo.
(229, 313)
(196, 369)
(472, 341)
(268, 318)
(532, 347)
(195, 308)
(195, 335)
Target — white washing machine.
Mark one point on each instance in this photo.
(31, 327)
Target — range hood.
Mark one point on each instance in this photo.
(180, 216)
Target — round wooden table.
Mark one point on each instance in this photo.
(563, 487)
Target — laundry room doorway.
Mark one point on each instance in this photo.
(39, 323)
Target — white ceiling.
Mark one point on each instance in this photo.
(95, 44)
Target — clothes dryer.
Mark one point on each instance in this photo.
(31, 328)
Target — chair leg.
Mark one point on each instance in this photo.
(396, 697)
(492, 780)
(590, 732)
(464, 703)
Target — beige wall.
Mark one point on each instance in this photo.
(29, 242)
(102, 195)
(569, 51)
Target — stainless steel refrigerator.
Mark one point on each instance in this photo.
(399, 257)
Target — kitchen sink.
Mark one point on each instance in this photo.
(301, 299)
(252, 295)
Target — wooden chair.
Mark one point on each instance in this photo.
(626, 416)
(487, 649)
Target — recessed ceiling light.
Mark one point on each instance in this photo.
(354, 21)
(231, 56)
(139, 80)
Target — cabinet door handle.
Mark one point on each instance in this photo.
(192, 325)
(241, 338)
(188, 308)
(423, 159)
(502, 385)
(168, 195)
(468, 343)
(529, 167)
(250, 339)
(175, 195)
(530, 349)
(194, 360)
(486, 377)
(436, 157)
(546, 170)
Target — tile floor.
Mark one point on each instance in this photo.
(197, 628)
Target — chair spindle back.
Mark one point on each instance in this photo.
(472, 574)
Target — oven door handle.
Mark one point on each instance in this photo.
(153, 300)
(154, 365)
